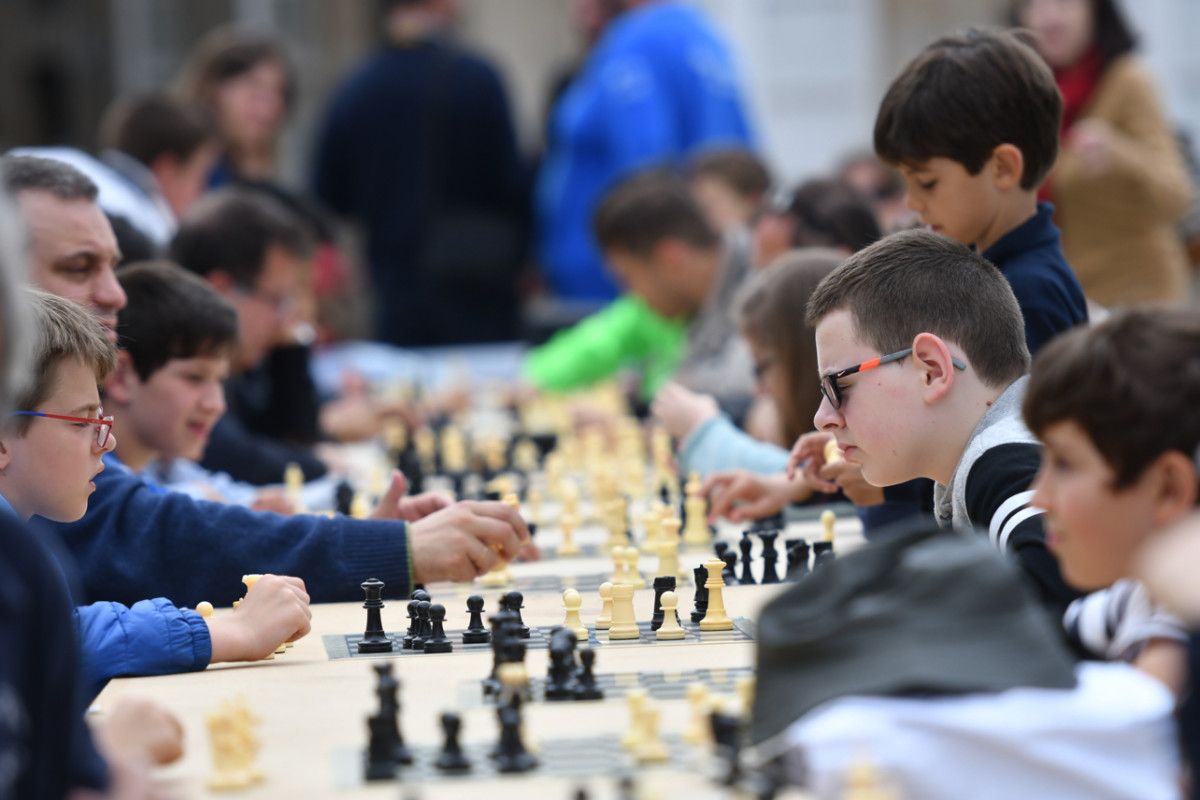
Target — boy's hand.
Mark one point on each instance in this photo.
(275, 610)
(680, 411)
(808, 455)
(1091, 140)
(394, 504)
(849, 478)
(740, 496)
(140, 731)
(467, 539)
(273, 499)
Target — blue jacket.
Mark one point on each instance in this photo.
(659, 86)
(1049, 294)
(151, 637)
(136, 541)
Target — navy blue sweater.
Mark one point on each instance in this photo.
(1049, 294)
(137, 541)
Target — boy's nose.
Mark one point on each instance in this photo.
(827, 417)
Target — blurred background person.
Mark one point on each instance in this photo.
(1120, 184)
(418, 145)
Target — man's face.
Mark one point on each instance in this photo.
(660, 283)
(954, 203)
(73, 253)
(1094, 528)
(263, 311)
(875, 425)
(174, 410)
(49, 470)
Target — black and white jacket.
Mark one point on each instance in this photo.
(991, 490)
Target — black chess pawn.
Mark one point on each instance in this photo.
(729, 571)
(727, 741)
(746, 545)
(822, 553)
(475, 632)
(380, 765)
(700, 596)
(424, 628)
(797, 559)
(560, 677)
(514, 602)
(388, 690)
(375, 639)
(586, 687)
(511, 755)
(343, 496)
(498, 622)
(663, 583)
(437, 641)
(720, 548)
(452, 759)
(419, 594)
(407, 641)
(769, 556)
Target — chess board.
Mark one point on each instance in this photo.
(346, 645)
(581, 757)
(659, 684)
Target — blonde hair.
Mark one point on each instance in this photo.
(62, 331)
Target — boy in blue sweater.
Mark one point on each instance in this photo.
(136, 541)
(51, 448)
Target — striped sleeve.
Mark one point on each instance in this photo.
(1115, 623)
(998, 495)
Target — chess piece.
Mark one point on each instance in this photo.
(632, 576)
(746, 546)
(729, 573)
(668, 552)
(615, 518)
(698, 732)
(499, 622)
(624, 621)
(572, 602)
(204, 609)
(635, 702)
(293, 486)
(833, 453)
(863, 782)
(651, 749)
(743, 687)
(700, 595)
(720, 548)
(650, 523)
(451, 759)
(375, 639)
(566, 524)
(424, 625)
(665, 583)
(380, 766)
(586, 687)
(670, 628)
(533, 498)
(343, 496)
(234, 745)
(769, 556)
(797, 559)
(437, 641)
(511, 754)
(514, 602)
(560, 677)
(715, 618)
(828, 521)
(360, 506)
(695, 531)
(822, 553)
(407, 642)
(619, 569)
(606, 605)
(727, 734)
(475, 632)
(386, 741)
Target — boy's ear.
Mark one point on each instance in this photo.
(1008, 164)
(935, 364)
(1175, 490)
(122, 383)
(220, 280)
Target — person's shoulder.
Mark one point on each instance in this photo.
(1128, 73)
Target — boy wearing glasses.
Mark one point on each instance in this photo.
(51, 448)
(922, 356)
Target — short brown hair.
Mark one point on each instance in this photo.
(62, 331)
(34, 173)
(915, 282)
(965, 95)
(1131, 382)
(740, 170)
(767, 309)
(155, 125)
(643, 210)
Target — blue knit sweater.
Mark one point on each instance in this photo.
(137, 541)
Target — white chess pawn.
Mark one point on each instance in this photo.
(604, 621)
(744, 688)
(572, 602)
(632, 576)
(695, 532)
(668, 550)
(204, 609)
(624, 619)
(698, 732)
(360, 507)
(650, 523)
(670, 628)
(651, 749)
(828, 520)
(635, 701)
(567, 524)
(715, 619)
(619, 569)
